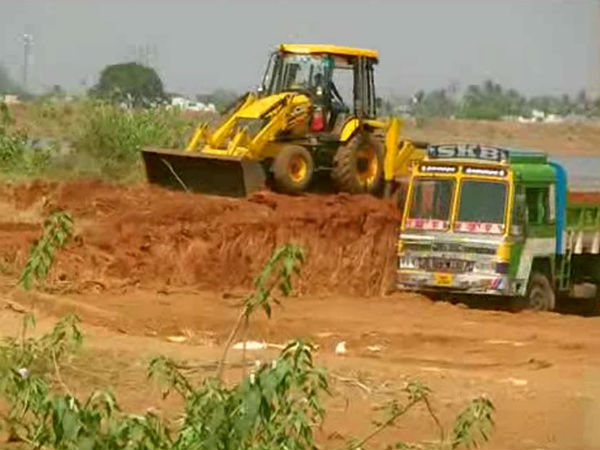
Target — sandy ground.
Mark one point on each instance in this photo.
(540, 370)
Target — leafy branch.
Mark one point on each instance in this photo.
(58, 229)
(473, 425)
(277, 273)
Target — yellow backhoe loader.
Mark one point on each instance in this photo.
(293, 129)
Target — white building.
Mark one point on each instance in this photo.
(190, 105)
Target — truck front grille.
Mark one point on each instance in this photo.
(448, 265)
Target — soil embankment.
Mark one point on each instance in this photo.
(149, 236)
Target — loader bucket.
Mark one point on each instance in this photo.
(197, 172)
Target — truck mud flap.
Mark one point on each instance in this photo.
(208, 174)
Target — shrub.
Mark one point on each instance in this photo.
(113, 137)
(17, 157)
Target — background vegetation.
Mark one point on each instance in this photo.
(491, 101)
(131, 84)
(100, 133)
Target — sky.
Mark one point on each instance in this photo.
(536, 46)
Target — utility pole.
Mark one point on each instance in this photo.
(594, 71)
(596, 44)
(27, 43)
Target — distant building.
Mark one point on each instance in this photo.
(190, 105)
(10, 99)
(538, 116)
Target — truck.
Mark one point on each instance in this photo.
(486, 221)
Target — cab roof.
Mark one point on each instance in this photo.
(329, 49)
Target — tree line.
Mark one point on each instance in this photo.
(491, 101)
(140, 86)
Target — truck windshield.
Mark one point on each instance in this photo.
(481, 208)
(297, 72)
(430, 204)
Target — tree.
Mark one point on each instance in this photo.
(489, 101)
(131, 83)
(437, 103)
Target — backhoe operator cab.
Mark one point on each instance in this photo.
(310, 70)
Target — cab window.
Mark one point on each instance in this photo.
(539, 208)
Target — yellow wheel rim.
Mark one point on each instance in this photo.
(298, 169)
(367, 166)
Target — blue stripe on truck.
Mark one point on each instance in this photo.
(561, 204)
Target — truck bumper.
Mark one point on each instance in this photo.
(466, 283)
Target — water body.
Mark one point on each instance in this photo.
(583, 172)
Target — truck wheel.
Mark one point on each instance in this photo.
(292, 169)
(358, 165)
(540, 295)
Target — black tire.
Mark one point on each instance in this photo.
(293, 169)
(349, 171)
(540, 295)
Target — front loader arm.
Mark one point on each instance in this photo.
(278, 117)
(398, 155)
(201, 134)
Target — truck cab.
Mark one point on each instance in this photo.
(486, 220)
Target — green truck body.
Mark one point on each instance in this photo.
(484, 220)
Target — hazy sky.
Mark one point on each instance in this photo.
(536, 46)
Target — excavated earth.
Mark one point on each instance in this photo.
(147, 236)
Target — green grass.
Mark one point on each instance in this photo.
(85, 138)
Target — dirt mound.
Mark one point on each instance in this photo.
(148, 236)
(592, 198)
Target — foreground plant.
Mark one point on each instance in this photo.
(58, 228)
(278, 405)
(472, 427)
(276, 274)
(25, 363)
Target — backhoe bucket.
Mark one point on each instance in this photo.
(197, 172)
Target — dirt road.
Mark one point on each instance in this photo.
(541, 370)
(147, 264)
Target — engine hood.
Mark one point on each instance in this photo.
(259, 107)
